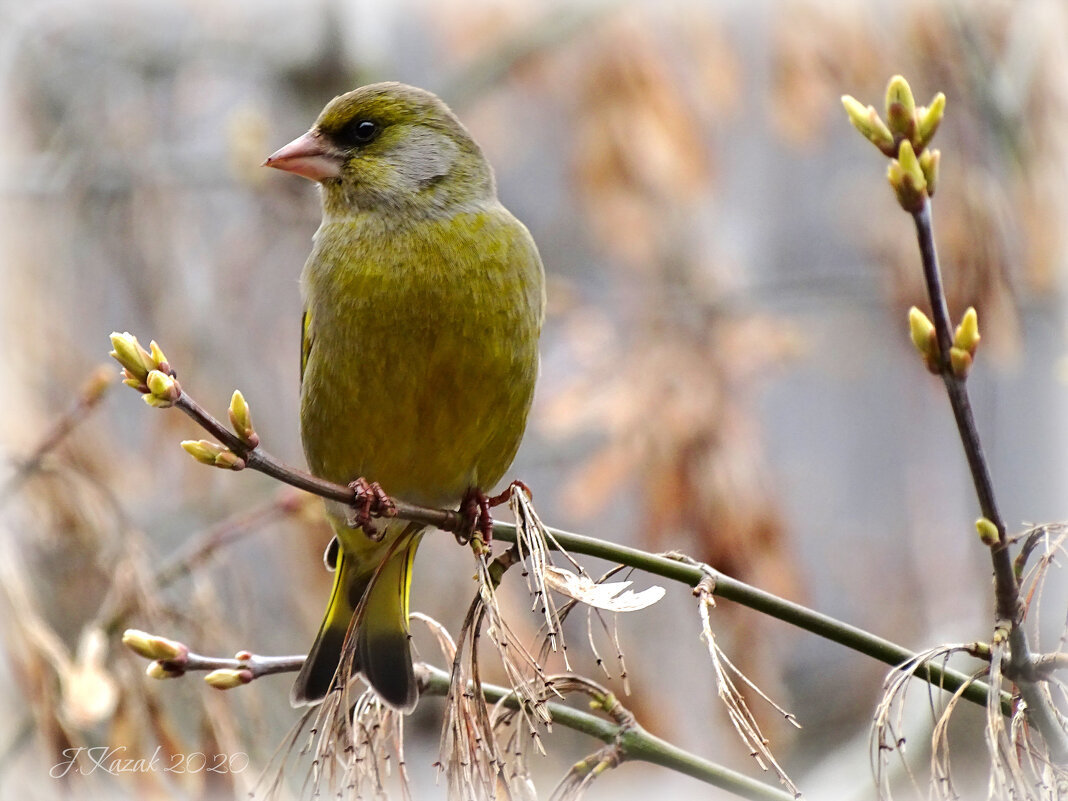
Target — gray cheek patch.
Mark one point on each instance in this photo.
(424, 157)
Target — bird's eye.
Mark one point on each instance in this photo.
(358, 132)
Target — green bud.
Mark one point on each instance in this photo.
(128, 352)
(929, 160)
(867, 120)
(922, 331)
(906, 178)
(158, 359)
(895, 175)
(241, 419)
(203, 450)
(967, 335)
(928, 121)
(228, 678)
(924, 338)
(156, 402)
(152, 647)
(900, 108)
(988, 532)
(961, 362)
(910, 165)
(158, 670)
(857, 111)
(228, 460)
(163, 389)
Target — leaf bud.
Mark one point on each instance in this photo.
(151, 646)
(228, 678)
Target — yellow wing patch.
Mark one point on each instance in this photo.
(305, 341)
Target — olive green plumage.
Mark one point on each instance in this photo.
(424, 300)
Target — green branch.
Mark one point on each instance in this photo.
(738, 591)
(633, 741)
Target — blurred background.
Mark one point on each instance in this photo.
(726, 369)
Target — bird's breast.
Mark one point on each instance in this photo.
(422, 353)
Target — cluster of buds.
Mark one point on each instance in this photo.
(147, 371)
(168, 657)
(208, 452)
(961, 351)
(171, 659)
(904, 138)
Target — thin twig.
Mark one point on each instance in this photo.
(91, 393)
(1006, 586)
(197, 551)
(256, 458)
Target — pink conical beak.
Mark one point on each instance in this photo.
(306, 156)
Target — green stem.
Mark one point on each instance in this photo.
(738, 591)
(635, 742)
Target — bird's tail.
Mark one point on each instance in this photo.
(382, 652)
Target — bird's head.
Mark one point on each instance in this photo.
(389, 147)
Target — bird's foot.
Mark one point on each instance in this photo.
(498, 500)
(369, 500)
(475, 517)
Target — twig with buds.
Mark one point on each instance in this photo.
(172, 659)
(904, 138)
(149, 372)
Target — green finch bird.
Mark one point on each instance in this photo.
(423, 303)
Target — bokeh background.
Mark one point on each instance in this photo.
(726, 368)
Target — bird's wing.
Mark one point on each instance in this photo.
(305, 341)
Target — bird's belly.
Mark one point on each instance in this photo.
(426, 413)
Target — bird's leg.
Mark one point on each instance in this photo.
(475, 514)
(368, 500)
(497, 500)
(474, 517)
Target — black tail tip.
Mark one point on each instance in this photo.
(317, 674)
(385, 659)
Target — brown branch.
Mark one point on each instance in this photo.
(90, 394)
(255, 458)
(1009, 610)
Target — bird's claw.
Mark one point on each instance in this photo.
(369, 500)
(475, 517)
(502, 498)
